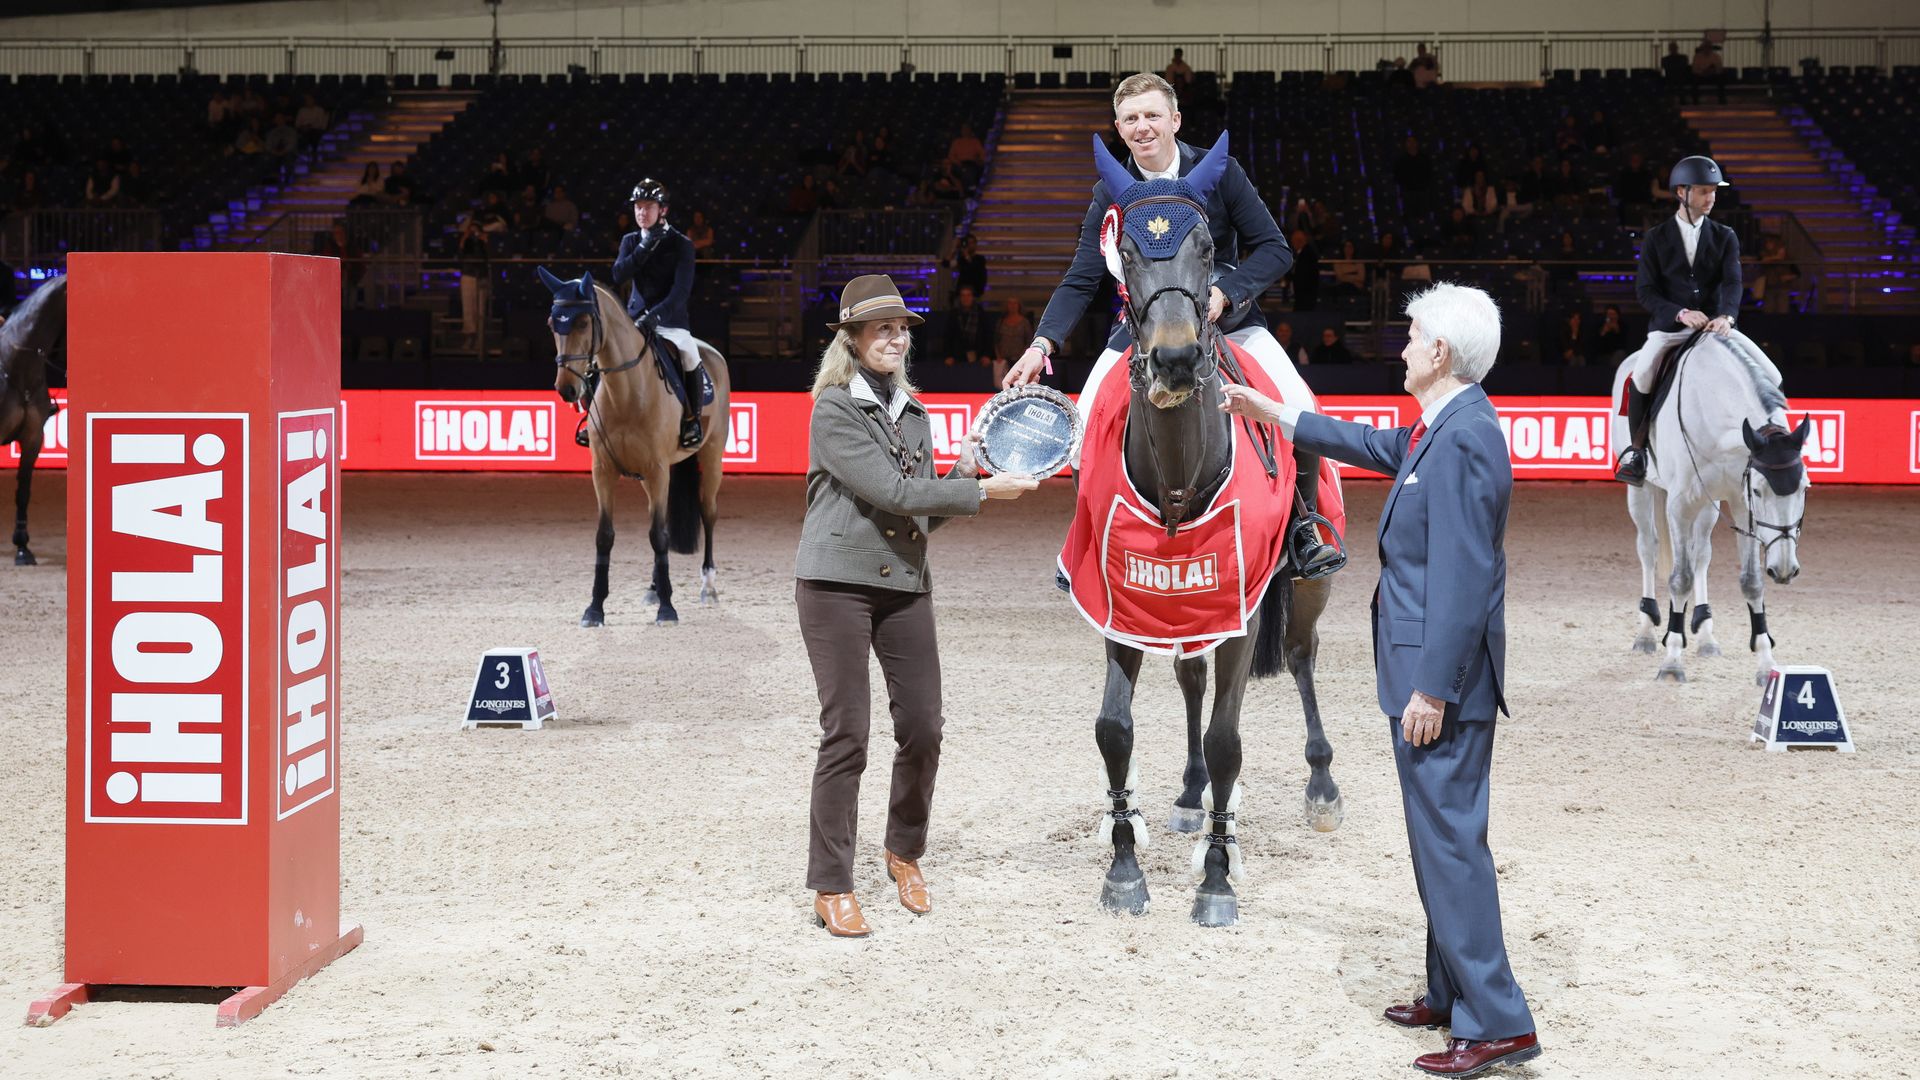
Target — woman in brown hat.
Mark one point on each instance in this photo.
(872, 498)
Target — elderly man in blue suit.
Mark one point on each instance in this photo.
(1439, 647)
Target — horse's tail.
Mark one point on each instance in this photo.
(1270, 644)
(683, 506)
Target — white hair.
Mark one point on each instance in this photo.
(1466, 319)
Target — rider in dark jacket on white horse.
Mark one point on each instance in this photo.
(658, 260)
(1688, 280)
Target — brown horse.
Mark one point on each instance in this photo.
(633, 425)
(25, 405)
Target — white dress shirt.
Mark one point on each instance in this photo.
(1689, 234)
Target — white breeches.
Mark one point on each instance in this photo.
(684, 341)
(1645, 360)
(1255, 339)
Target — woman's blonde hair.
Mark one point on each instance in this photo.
(841, 358)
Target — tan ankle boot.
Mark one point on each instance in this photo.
(905, 873)
(840, 914)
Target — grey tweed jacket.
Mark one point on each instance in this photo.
(866, 523)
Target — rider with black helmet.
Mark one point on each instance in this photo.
(658, 261)
(1689, 279)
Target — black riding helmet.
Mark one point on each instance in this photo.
(649, 190)
(1697, 171)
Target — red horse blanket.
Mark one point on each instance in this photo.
(1185, 595)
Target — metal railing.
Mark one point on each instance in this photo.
(1463, 57)
(386, 244)
(42, 238)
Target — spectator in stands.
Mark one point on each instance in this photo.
(311, 121)
(1425, 68)
(1302, 217)
(1575, 342)
(968, 156)
(622, 225)
(970, 331)
(251, 106)
(399, 188)
(969, 268)
(880, 154)
(1326, 224)
(28, 195)
(117, 155)
(281, 141)
(134, 190)
(1610, 343)
(1569, 190)
(803, 198)
(249, 142)
(1599, 134)
(1332, 348)
(1010, 337)
(492, 215)
(1349, 270)
(338, 243)
(1567, 138)
(1463, 238)
(561, 212)
(103, 186)
(1472, 162)
(1413, 175)
(527, 214)
(700, 232)
(1481, 198)
(1679, 73)
(219, 117)
(946, 185)
(1709, 67)
(1305, 273)
(1533, 186)
(372, 189)
(499, 175)
(853, 159)
(1179, 72)
(533, 170)
(476, 281)
(1397, 73)
(1283, 336)
(1633, 189)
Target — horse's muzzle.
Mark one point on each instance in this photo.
(568, 390)
(1793, 571)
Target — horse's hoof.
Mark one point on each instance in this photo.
(1709, 648)
(1128, 897)
(23, 557)
(1216, 909)
(1645, 645)
(667, 618)
(1673, 672)
(591, 619)
(1326, 816)
(1186, 819)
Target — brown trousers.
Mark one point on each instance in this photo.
(841, 624)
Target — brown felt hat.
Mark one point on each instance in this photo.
(869, 297)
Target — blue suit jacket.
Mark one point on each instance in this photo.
(661, 273)
(1439, 614)
(1244, 234)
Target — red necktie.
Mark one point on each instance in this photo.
(1419, 429)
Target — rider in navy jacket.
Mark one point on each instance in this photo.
(658, 260)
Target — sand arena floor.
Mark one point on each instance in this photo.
(622, 894)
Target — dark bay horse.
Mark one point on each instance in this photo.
(26, 341)
(634, 430)
(1178, 450)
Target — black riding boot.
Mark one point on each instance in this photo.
(690, 428)
(1633, 460)
(1312, 556)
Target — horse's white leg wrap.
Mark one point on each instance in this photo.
(1261, 345)
(1102, 369)
(1130, 796)
(1236, 869)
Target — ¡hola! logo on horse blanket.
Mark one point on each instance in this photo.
(1184, 595)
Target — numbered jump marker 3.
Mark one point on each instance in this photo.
(510, 687)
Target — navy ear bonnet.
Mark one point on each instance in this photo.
(572, 300)
(1160, 227)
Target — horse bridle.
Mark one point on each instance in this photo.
(593, 369)
(1754, 524)
(1137, 363)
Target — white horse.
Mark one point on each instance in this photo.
(1721, 438)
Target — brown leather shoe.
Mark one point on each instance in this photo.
(905, 873)
(839, 912)
(1464, 1058)
(1417, 1015)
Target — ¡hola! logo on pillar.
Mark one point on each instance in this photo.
(1825, 450)
(484, 431)
(309, 604)
(743, 433)
(1556, 437)
(950, 424)
(166, 609)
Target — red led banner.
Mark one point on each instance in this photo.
(1854, 441)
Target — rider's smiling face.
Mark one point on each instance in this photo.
(1148, 123)
(647, 213)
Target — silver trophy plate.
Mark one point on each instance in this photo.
(1030, 430)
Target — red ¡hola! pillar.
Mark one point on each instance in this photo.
(203, 640)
